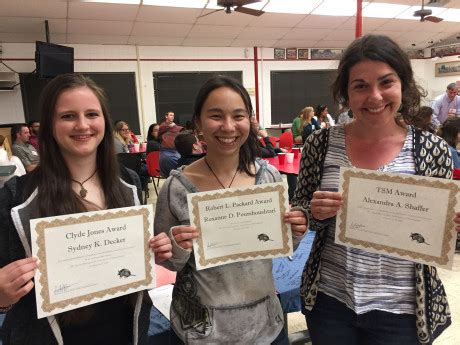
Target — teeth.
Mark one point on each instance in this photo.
(226, 140)
(376, 110)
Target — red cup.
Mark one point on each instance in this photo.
(281, 158)
(295, 151)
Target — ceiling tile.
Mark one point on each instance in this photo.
(158, 14)
(281, 20)
(91, 10)
(322, 22)
(222, 18)
(307, 34)
(392, 34)
(33, 8)
(155, 41)
(373, 23)
(253, 43)
(214, 31)
(31, 25)
(207, 42)
(96, 39)
(163, 29)
(295, 43)
(402, 25)
(17, 37)
(99, 27)
(263, 33)
(340, 35)
(332, 44)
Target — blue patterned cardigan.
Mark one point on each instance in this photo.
(432, 158)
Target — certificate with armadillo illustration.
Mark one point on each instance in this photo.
(240, 224)
(86, 258)
(401, 215)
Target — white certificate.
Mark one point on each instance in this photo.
(91, 257)
(240, 224)
(405, 216)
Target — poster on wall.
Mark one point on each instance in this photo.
(326, 54)
(303, 54)
(443, 69)
(291, 53)
(279, 53)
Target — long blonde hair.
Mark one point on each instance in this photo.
(305, 115)
(5, 145)
(117, 132)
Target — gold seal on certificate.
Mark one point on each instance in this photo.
(91, 257)
(405, 216)
(240, 224)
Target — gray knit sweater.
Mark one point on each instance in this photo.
(229, 304)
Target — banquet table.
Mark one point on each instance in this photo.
(286, 168)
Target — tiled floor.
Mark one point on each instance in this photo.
(451, 280)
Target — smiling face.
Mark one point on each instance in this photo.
(79, 123)
(224, 122)
(451, 93)
(374, 91)
(124, 132)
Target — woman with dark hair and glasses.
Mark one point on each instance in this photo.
(349, 295)
(78, 172)
(234, 303)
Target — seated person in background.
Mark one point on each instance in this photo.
(424, 120)
(153, 141)
(345, 116)
(34, 127)
(169, 156)
(311, 124)
(449, 132)
(22, 149)
(7, 159)
(122, 137)
(268, 150)
(298, 124)
(324, 119)
(169, 119)
(189, 148)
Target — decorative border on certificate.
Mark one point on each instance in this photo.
(278, 188)
(452, 188)
(43, 225)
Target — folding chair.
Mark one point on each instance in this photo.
(286, 141)
(153, 167)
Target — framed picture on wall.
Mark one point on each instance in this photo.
(302, 54)
(291, 53)
(326, 54)
(452, 49)
(279, 53)
(447, 68)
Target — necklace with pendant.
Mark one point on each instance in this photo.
(231, 182)
(83, 191)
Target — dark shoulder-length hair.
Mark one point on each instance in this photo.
(150, 136)
(55, 194)
(449, 132)
(383, 49)
(249, 150)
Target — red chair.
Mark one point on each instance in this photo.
(286, 141)
(153, 167)
(456, 174)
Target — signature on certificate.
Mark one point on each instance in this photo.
(62, 288)
(357, 226)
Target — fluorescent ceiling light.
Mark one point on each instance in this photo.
(451, 15)
(126, 2)
(344, 8)
(292, 6)
(177, 3)
(379, 10)
(212, 5)
(409, 13)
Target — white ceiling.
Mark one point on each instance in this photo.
(74, 21)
